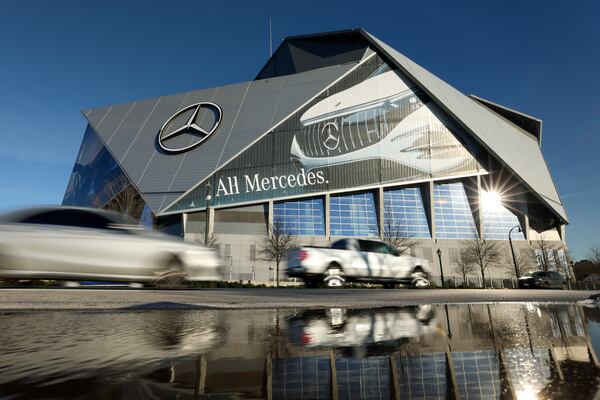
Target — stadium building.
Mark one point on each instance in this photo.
(339, 135)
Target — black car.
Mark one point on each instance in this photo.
(543, 280)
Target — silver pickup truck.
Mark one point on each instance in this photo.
(357, 260)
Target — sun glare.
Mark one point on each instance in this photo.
(491, 200)
(526, 394)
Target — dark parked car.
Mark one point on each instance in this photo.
(543, 280)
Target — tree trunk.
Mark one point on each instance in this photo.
(277, 274)
(465, 280)
(483, 278)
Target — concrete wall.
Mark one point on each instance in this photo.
(236, 251)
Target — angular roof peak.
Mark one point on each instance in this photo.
(520, 154)
(303, 53)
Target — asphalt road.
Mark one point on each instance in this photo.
(130, 299)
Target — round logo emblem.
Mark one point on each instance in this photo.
(331, 132)
(176, 127)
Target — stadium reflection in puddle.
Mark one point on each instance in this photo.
(474, 351)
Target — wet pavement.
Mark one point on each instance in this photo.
(468, 351)
(109, 299)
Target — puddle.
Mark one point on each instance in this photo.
(468, 351)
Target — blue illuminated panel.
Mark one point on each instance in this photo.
(404, 213)
(302, 217)
(453, 216)
(353, 215)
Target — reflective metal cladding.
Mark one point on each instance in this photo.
(346, 107)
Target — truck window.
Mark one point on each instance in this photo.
(339, 245)
(373, 247)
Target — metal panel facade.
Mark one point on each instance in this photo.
(250, 109)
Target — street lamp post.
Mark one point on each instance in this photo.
(439, 253)
(512, 250)
(208, 197)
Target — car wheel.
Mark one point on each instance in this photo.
(333, 276)
(419, 278)
(172, 274)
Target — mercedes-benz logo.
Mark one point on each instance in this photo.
(332, 141)
(189, 127)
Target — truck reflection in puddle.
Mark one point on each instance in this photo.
(521, 351)
(361, 332)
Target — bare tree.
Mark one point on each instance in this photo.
(120, 196)
(524, 265)
(395, 236)
(213, 241)
(484, 253)
(464, 264)
(276, 245)
(545, 247)
(594, 254)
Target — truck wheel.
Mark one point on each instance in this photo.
(334, 281)
(333, 276)
(419, 278)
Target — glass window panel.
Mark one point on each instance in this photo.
(356, 215)
(498, 220)
(301, 378)
(453, 216)
(301, 217)
(404, 212)
(477, 374)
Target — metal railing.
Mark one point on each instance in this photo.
(473, 281)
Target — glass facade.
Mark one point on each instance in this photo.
(453, 215)
(498, 220)
(93, 170)
(562, 260)
(98, 181)
(404, 213)
(301, 378)
(302, 217)
(367, 378)
(423, 376)
(353, 215)
(477, 374)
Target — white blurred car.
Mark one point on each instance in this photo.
(71, 243)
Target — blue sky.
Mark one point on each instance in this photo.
(57, 58)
